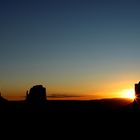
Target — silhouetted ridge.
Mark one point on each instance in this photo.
(37, 94)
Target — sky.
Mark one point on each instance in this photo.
(75, 48)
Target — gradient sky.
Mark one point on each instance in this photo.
(72, 47)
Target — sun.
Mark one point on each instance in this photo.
(128, 93)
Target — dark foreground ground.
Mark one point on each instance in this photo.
(68, 117)
(71, 109)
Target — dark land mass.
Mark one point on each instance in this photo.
(61, 108)
(53, 117)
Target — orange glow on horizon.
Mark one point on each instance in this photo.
(114, 90)
(128, 93)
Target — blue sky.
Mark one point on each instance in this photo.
(77, 47)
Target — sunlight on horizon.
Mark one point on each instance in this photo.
(128, 93)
